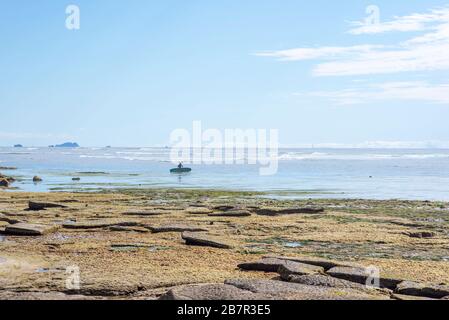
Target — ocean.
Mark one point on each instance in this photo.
(414, 174)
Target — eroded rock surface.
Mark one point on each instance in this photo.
(287, 211)
(361, 275)
(231, 213)
(37, 206)
(175, 228)
(422, 289)
(29, 229)
(295, 291)
(210, 292)
(199, 239)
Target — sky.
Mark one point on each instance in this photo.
(352, 73)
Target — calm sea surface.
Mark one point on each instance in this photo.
(325, 173)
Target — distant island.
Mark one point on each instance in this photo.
(18, 146)
(66, 145)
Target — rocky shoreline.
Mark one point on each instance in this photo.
(205, 244)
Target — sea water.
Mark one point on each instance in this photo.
(421, 174)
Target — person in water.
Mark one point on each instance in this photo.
(180, 166)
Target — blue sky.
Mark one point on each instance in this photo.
(136, 70)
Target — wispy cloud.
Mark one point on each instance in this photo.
(316, 53)
(425, 52)
(416, 91)
(413, 22)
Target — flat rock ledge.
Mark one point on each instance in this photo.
(128, 229)
(322, 280)
(296, 291)
(326, 264)
(148, 213)
(265, 265)
(8, 219)
(279, 212)
(362, 276)
(98, 224)
(316, 273)
(175, 228)
(242, 289)
(203, 292)
(198, 210)
(28, 229)
(38, 206)
(231, 213)
(284, 267)
(421, 234)
(291, 268)
(198, 239)
(422, 290)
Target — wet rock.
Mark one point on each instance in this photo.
(287, 211)
(175, 228)
(37, 206)
(197, 239)
(4, 183)
(280, 290)
(217, 292)
(7, 178)
(231, 213)
(290, 268)
(361, 275)
(28, 229)
(422, 289)
(37, 179)
(421, 234)
(326, 264)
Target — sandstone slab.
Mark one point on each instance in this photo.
(321, 280)
(37, 206)
(404, 297)
(28, 229)
(326, 264)
(231, 213)
(421, 234)
(265, 265)
(218, 292)
(128, 229)
(361, 275)
(198, 239)
(148, 213)
(198, 210)
(422, 289)
(280, 290)
(291, 268)
(175, 228)
(288, 211)
(97, 224)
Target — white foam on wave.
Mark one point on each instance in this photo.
(291, 156)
